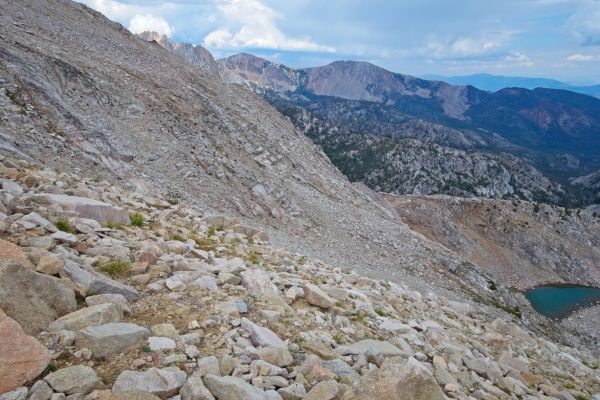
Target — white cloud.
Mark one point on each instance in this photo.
(249, 23)
(520, 59)
(148, 22)
(582, 57)
(466, 47)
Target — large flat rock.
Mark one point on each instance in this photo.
(89, 316)
(113, 338)
(86, 207)
(33, 299)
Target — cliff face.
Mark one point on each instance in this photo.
(523, 244)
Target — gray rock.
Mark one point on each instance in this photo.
(39, 221)
(325, 390)
(261, 336)
(257, 283)
(133, 395)
(40, 391)
(295, 391)
(208, 366)
(79, 379)
(97, 283)
(341, 369)
(117, 299)
(86, 208)
(165, 330)
(89, 316)
(232, 388)
(157, 343)
(113, 338)
(279, 356)
(114, 252)
(33, 299)
(17, 394)
(317, 297)
(41, 242)
(50, 265)
(375, 346)
(64, 237)
(194, 389)
(163, 383)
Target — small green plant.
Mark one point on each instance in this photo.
(337, 337)
(178, 237)
(112, 225)
(220, 228)
(211, 232)
(536, 208)
(381, 312)
(254, 258)
(205, 244)
(360, 316)
(492, 285)
(64, 225)
(115, 268)
(136, 219)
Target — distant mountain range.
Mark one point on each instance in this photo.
(402, 134)
(493, 83)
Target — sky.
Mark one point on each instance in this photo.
(539, 38)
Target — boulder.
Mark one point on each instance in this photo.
(22, 357)
(157, 343)
(86, 207)
(33, 299)
(397, 380)
(163, 383)
(117, 299)
(10, 251)
(112, 252)
(194, 389)
(113, 338)
(50, 265)
(92, 281)
(295, 391)
(18, 394)
(279, 356)
(133, 395)
(64, 237)
(208, 366)
(40, 391)
(165, 330)
(325, 390)
(261, 336)
(257, 283)
(315, 296)
(232, 388)
(79, 379)
(89, 316)
(375, 347)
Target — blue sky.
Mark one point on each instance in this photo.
(548, 38)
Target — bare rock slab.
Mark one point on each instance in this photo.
(22, 357)
(163, 383)
(232, 388)
(33, 299)
(261, 336)
(113, 338)
(89, 316)
(79, 379)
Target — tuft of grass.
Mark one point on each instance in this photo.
(178, 237)
(64, 225)
(211, 232)
(337, 337)
(360, 316)
(116, 268)
(254, 258)
(136, 219)
(112, 225)
(381, 312)
(205, 244)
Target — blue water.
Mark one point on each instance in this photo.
(560, 301)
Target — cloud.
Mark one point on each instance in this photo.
(148, 22)
(520, 59)
(582, 57)
(585, 23)
(251, 24)
(467, 46)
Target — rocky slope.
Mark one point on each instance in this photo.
(523, 244)
(81, 93)
(160, 301)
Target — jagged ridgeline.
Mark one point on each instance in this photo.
(534, 145)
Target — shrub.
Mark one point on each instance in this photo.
(65, 226)
(136, 219)
(178, 237)
(205, 244)
(115, 268)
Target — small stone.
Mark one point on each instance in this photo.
(194, 389)
(315, 296)
(50, 265)
(79, 379)
(192, 351)
(232, 388)
(241, 306)
(65, 237)
(157, 343)
(261, 336)
(295, 391)
(227, 365)
(326, 390)
(133, 395)
(279, 356)
(117, 299)
(165, 330)
(208, 366)
(40, 391)
(18, 394)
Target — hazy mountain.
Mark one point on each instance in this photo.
(493, 83)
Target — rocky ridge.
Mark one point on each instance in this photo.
(180, 304)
